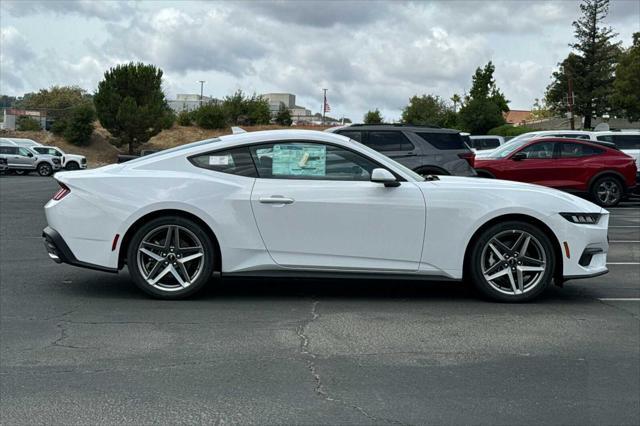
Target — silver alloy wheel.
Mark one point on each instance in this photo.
(44, 169)
(513, 262)
(170, 257)
(608, 192)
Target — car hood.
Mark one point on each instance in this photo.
(518, 191)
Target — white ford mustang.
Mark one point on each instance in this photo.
(316, 204)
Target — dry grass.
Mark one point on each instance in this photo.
(100, 152)
(179, 135)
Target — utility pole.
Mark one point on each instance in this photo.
(202, 82)
(570, 102)
(324, 105)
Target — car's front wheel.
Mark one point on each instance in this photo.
(45, 169)
(171, 257)
(72, 165)
(512, 262)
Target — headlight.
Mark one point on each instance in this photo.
(582, 218)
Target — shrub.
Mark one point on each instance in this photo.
(58, 126)
(284, 116)
(211, 117)
(509, 130)
(27, 123)
(185, 118)
(373, 117)
(79, 126)
(168, 119)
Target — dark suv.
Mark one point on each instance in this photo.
(425, 150)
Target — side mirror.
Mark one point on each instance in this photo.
(519, 156)
(384, 176)
(29, 154)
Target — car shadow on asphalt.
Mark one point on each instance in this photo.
(270, 289)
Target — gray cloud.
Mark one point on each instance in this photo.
(104, 10)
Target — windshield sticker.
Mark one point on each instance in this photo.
(299, 160)
(219, 160)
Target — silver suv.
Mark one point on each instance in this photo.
(425, 150)
(22, 160)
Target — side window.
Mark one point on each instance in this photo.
(490, 143)
(606, 138)
(23, 151)
(627, 141)
(383, 141)
(541, 151)
(351, 134)
(577, 150)
(39, 150)
(235, 161)
(312, 161)
(6, 150)
(572, 136)
(444, 140)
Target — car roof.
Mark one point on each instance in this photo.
(623, 133)
(395, 126)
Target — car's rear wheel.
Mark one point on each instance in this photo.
(45, 169)
(607, 191)
(72, 165)
(171, 257)
(512, 262)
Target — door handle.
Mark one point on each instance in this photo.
(276, 199)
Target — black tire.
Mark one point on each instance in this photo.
(72, 165)
(538, 284)
(44, 169)
(207, 265)
(607, 191)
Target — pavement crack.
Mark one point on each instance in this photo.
(63, 335)
(319, 389)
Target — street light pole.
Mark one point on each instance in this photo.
(202, 82)
(324, 105)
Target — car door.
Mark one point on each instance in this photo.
(536, 166)
(316, 208)
(574, 165)
(25, 159)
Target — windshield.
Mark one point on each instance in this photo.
(508, 148)
(175, 149)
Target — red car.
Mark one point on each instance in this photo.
(573, 165)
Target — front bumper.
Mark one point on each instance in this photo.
(60, 252)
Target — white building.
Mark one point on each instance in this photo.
(288, 100)
(190, 102)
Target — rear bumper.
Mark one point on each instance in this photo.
(60, 252)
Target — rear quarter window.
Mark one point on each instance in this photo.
(232, 161)
(356, 136)
(627, 141)
(443, 141)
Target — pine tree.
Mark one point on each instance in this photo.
(485, 104)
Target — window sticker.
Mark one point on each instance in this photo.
(299, 160)
(220, 160)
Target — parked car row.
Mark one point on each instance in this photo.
(602, 165)
(21, 156)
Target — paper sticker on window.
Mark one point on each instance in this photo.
(299, 160)
(219, 160)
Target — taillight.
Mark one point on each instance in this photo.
(62, 192)
(469, 156)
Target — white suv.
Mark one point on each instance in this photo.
(69, 161)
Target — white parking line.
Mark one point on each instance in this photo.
(620, 299)
(623, 263)
(624, 241)
(624, 226)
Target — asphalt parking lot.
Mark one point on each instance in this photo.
(85, 347)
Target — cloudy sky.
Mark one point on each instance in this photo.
(368, 54)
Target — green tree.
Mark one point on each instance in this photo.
(283, 117)
(258, 111)
(211, 116)
(509, 130)
(456, 99)
(373, 117)
(79, 125)
(590, 66)
(185, 118)
(57, 100)
(426, 110)
(626, 87)
(130, 103)
(485, 104)
(540, 110)
(169, 118)
(25, 123)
